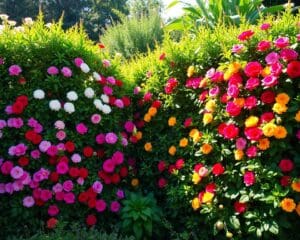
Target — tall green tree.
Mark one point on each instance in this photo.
(138, 8)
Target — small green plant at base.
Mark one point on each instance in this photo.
(139, 214)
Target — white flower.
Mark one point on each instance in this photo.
(39, 94)
(96, 76)
(19, 29)
(98, 104)
(48, 25)
(54, 105)
(69, 107)
(84, 67)
(72, 96)
(105, 98)
(3, 17)
(106, 109)
(28, 21)
(89, 92)
(12, 23)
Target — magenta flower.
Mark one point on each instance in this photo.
(272, 58)
(44, 146)
(2, 124)
(53, 210)
(265, 26)
(66, 72)
(68, 185)
(96, 118)
(115, 206)
(129, 126)
(97, 187)
(15, 122)
(16, 172)
(117, 158)
(251, 151)
(100, 205)
(241, 143)
(100, 138)
(108, 166)
(14, 70)
(81, 128)
(6, 167)
(120, 194)
(107, 90)
(61, 135)
(136, 90)
(28, 201)
(78, 61)
(18, 150)
(111, 80)
(119, 103)
(46, 195)
(62, 168)
(52, 70)
(35, 154)
(52, 151)
(282, 42)
(249, 178)
(9, 188)
(111, 138)
(69, 198)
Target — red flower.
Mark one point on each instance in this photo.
(267, 117)
(218, 169)
(240, 207)
(51, 223)
(245, 35)
(197, 167)
(249, 178)
(23, 99)
(253, 133)
(230, 131)
(286, 165)
(285, 181)
(69, 146)
(92, 203)
(88, 151)
(179, 163)
(119, 83)
(23, 161)
(74, 172)
(172, 168)
(233, 109)
(187, 122)
(115, 178)
(211, 187)
(171, 84)
(124, 172)
(17, 108)
(83, 172)
(268, 97)
(293, 69)
(156, 104)
(54, 177)
(162, 56)
(101, 45)
(126, 100)
(162, 182)
(91, 220)
(253, 69)
(83, 197)
(161, 166)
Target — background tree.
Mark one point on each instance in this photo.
(138, 8)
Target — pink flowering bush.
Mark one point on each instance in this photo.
(65, 125)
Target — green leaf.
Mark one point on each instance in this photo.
(235, 222)
(137, 231)
(274, 228)
(244, 198)
(148, 228)
(172, 4)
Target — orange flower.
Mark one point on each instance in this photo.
(207, 118)
(263, 144)
(138, 135)
(238, 154)
(172, 121)
(280, 132)
(148, 147)
(282, 98)
(298, 208)
(183, 142)
(195, 134)
(135, 182)
(296, 185)
(288, 205)
(239, 101)
(147, 117)
(206, 148)
(196, 203)
(172, 150)
(279, 108)
(152, 111)
(266, 71)
(297, 116)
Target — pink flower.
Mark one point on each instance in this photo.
(6, 167)
(59, 124)
(119, 103)
(28, 201)
(76, 158)
(249, 178)
(15, 122)
(171, 84)
(59, 196)
(69, 198)
(2, 124)
(241, 143)
(115, 206)
(14, 70)
(272, 57)
(52, 70)
(44, 146)
(52, 151)
(60, 135)
(147, 97)
(78, 61)
(9, 188)
(282, 42)
(18, 186)
(96, 118)
(57, 188)
(233, 91)
(8, 110)
(106, 63)
(265, 26)
(35, 154)
(97, 187)
(251, 152)
(233, 109)
(237, 48)
(107, 90)
(288, 54)
(129, 126)
(276, 69)
(68, 185)
(252, 83)
(46, 195)
(62, 168)
(16, 172)
(81, 128)
(53, 210)
(100, 205)
(100, 138)
(263, 46)
(66, 72)
(246, 35)
(213, 92)
(117, 158)
(18, 150)
(270, 81)
(108, 166)
(136, 90)
(111, 138)
(298, 134)
(111, 80)
(250, 102)
(120, 194)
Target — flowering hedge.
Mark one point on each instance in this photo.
(224, 143)
(64, 128)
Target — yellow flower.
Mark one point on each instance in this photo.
(138, 135)
(195, 134)
(183, 142)
(147, 117)
(207, 118)
(280, 132)
(190, 71)
(282, 98)
(251, 121)
(210, 106)
(227, 74)
(196, 178)
(207, 197)
(263, 144)
(152, 111)
(172, 150)
(266, 71)
(239, 101)
(196, 203)
(148, 147)
(269, 129)
(288, 205)
(135, 182)
(238, 154)
(296, 185)
(235, 67)
(172, 121)
(279, 108)
(298, 209)
(206, 148)
(297, 117)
